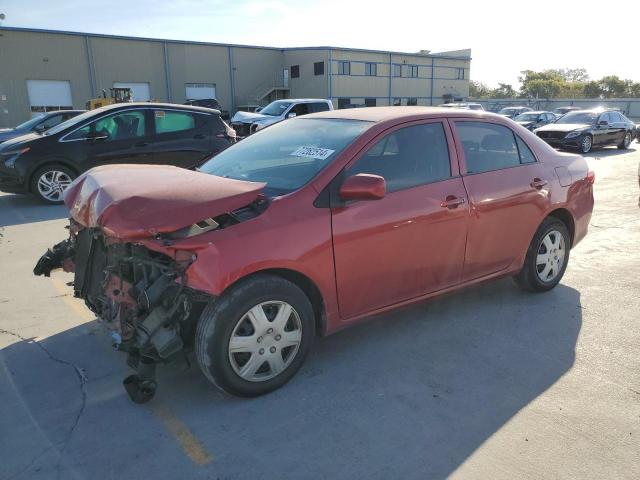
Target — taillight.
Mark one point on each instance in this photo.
(591, 177)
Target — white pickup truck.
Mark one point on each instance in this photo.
(246, 123)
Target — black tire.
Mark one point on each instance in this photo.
(586, 144)
(626, 141)
(54, 167)
(220, 317)
(528, 278)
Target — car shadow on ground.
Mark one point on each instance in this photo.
(20, 209)
(406, 395)
(612, 151)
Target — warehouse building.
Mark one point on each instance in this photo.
(42, 70)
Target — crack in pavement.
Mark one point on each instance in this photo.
(83, 382)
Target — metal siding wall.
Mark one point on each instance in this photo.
(39, 56)
(135, 61)
(255, 71)
(308, 85)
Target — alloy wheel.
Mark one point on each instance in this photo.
(627, 139)
(586, 144)
(551, 256)
(52, 184)
(265, 341)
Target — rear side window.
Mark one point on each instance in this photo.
(408, 157)
(318, 107)
(526, 155)
(487, 146)
(169, 122)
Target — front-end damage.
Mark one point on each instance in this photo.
(139, 294)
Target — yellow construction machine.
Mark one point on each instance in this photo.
(117, 95)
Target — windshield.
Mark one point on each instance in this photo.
(72, 121)
(578, 117)
(275, 109)
(286, 155)
(527, 117)
(29, 124)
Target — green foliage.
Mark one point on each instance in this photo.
(559, 83)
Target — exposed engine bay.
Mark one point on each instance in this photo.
(139, 294)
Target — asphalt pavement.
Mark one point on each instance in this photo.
(491, 382)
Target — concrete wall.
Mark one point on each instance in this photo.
(629, 106)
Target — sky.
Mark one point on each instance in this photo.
(505, 37)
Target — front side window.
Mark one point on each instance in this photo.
(170, 122)
(121, 126)
(370, 69)
(408, 157)
(300, 109)
(286, 155)
(487, 146)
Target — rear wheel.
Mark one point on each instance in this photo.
(626, 141)
(586, 144)
(547, 257)
(50, 182)
(254, 338)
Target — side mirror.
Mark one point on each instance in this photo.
(363, 186)
(40, 128)
(291, 115)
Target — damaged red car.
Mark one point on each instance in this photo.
(309, 226)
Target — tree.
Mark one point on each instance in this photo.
(545, 84)
(478, 90)
(612, 86)
(504, 90)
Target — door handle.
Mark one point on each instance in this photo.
(452, 202)
(141, 144)
(538, 183)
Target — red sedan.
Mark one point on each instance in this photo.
(309, 226)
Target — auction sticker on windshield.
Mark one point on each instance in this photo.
(316, 153)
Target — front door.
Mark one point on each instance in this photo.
(412, 241)
(506, 189)
(122, 137)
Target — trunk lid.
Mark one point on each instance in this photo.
(138, 201)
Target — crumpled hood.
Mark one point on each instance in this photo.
(249, 117)
(141, 201)
(562, 127)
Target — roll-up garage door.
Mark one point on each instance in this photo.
(200, 91)
(140, 91)
(49, 95)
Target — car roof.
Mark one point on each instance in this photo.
(382, 114)
(57, 112)
(537, 111)
(193, 108)
(301, 100)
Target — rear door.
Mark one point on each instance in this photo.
(618, 127)
(603, 133)
(507, 195)
(180, 137)
(412, 241)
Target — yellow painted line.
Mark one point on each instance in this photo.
(187, 440)
(192, 447)
(66, 293)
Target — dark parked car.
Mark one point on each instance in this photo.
(38, 124)
(209, 103)
(533, 120)
(562, 110)
(45, 165)
(585, 129)
(310, 225)
(512, 112)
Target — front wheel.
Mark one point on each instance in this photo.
(586, 144)
(547, 257)
(255, 337)
(50, 182)
(626, 141)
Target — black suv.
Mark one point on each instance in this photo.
(157, 133)
(585, 129)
